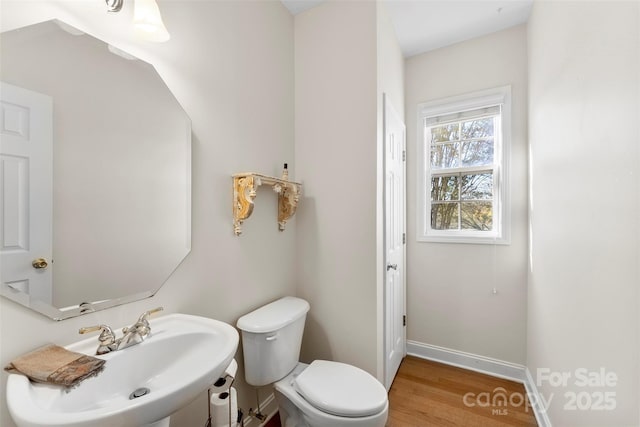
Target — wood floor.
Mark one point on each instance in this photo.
(426, 394)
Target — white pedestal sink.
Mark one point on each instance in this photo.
(183, 356)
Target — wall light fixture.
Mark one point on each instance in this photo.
(147, 21)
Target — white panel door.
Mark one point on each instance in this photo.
(394, 234)
(26, 170)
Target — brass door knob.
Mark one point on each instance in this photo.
(39, 263)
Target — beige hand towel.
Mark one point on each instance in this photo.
(55, 365)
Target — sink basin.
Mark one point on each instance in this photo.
(183, 356)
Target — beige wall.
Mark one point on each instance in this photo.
(584, 71)
(230, 64)
(450, 299)
(346, 57)
(335, 156)
(390, 76)
(390, 64)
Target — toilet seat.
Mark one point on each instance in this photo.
(341, 389)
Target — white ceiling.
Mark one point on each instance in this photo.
(423, 25)
(297, 6)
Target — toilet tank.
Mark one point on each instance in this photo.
(271, 339)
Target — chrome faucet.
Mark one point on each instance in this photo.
(137, 332)
(132, 335)
(106, 338)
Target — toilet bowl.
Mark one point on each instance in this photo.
(340, 400)
(321, 394)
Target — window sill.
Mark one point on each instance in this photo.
(474, 240)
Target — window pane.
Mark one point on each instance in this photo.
(444, 188)
(445, 133)
(477, 128)
(444, 216)
(477, 186)
(444, 156)
(477, 153)
(476, 216)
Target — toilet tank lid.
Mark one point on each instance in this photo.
(274, 316)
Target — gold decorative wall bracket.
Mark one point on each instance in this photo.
(245, 186)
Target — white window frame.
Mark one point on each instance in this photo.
(502, 211)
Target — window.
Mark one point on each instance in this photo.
(463, 182)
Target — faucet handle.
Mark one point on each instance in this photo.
(141, 327)
(105, 330)
(144, 317)
(107, 337)
(88, 329)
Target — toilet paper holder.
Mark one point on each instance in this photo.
(223, 388)
(225, 382)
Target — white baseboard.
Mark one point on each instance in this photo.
(484, 365)
(536, 401)
(268, 406)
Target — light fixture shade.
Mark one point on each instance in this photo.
(148, 22)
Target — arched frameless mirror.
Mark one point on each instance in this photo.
(96, 173)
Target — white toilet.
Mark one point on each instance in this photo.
(322, 394)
